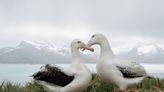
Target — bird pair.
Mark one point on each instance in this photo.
(78, 77)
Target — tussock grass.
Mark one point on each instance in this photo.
(29, 87)
(151, 85)
(147, 85)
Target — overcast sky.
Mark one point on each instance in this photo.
(60, 21)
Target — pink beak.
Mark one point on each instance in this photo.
(88, 48)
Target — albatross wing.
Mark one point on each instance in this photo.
(128, 73)
(130, 69)
(54, 75)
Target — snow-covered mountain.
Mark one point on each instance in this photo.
(46, 52)
(141, 52)
(34, 52)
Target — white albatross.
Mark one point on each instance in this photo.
(75, 79)
(114, 70)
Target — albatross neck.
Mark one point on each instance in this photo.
(106, 51)
(75, 55)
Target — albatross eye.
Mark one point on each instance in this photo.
(93, 36)
(79, 42)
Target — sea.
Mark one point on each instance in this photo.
(20, 73)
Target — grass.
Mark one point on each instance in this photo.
(147, 85)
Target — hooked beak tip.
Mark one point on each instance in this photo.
(92, 50)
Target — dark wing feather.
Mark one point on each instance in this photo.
(127, 73)
(53, 75)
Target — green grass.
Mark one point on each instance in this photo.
(147, 85)
(29, 87)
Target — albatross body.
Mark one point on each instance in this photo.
(75, 79)
(114, 70)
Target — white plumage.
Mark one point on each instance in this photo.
(114, 70)
(78, 76)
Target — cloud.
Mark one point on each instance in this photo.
(58, 35)
(123, 21)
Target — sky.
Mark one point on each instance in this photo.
(60, 21)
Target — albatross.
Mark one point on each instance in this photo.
(122, 73)
(74, 79)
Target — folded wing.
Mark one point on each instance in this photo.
(130, 69)
(54, 75)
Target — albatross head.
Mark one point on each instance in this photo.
(78, 44)
(96, 39)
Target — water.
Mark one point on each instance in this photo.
(19, 73)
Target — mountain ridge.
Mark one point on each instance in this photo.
(142, 52)
(39, 52)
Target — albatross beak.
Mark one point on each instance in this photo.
(88, 48)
